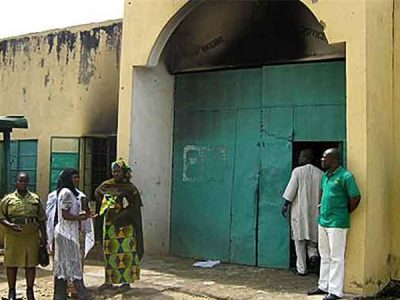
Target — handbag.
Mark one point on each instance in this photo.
(44, 260)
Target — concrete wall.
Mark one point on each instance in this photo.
(395, 207)
(366, 28)
(151, 150)
(64, 81)
(380, 144)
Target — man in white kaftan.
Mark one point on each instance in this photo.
(301, 195)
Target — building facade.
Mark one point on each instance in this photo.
(66, 84)
(215, 99)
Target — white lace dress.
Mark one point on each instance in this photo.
(67, 255)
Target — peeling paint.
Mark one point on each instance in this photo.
(50, 41)
(89, 44)
(24, 94)
(25, 46)
(66, 45)
(47, 78)
(3, 50)
(68, 39)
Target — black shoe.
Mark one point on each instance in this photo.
(314, 261)
(12, 294)
(30, 295)
(316, 291)
(125, 287)
(297, 273)
(331, 297)
(81, 290)
(60, 289)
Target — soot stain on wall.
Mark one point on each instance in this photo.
(66, 45)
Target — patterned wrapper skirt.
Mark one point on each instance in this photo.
(121, 259)
(21, 248)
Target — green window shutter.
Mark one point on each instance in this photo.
(23, 158)
(64, 154)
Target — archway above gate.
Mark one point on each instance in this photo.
(224, 34)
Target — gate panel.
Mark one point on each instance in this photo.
(276, 166)
(320, 123)
(245, 188)
(202, 185)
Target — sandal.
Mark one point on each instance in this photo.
(104, 286)
(125, 287)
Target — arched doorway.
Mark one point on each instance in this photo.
(252, 78)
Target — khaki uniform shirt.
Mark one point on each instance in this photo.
(15, 206)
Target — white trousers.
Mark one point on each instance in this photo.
(304, 248)
(332, 246)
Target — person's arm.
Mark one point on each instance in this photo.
(319, 197)
(10, 225)
(42, 223)
(98, 194)
(285, 208)
(67, 199)
(3, 220)
(43, 233)
(353, 203)
(71, 217)
(290, 193)
(353, 193)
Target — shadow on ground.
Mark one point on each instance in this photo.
(232, 275)
(135, 293)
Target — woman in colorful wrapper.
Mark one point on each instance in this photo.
(122, 232)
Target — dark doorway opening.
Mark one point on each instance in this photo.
(99, 152)
(318, 149)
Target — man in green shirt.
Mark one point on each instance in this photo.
(339, 197)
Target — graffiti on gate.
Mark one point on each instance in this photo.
(197, 158)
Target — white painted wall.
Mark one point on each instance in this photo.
(151, 150)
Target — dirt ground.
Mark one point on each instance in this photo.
(165, 278)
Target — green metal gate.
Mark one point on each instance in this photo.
(233, 138)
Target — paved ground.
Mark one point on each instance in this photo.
(174, 278)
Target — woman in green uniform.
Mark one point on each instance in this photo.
(23, 215)
(122, 233)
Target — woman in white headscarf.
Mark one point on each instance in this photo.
(67, 254)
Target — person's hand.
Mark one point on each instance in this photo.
(15, 227)
(49, 248)
(284, 210)
(83, 217)
(92, 215)
(43, 241)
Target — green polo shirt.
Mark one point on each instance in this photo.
(337, 188)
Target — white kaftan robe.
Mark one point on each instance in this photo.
(303, 192)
